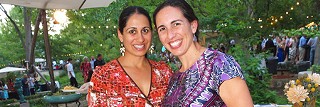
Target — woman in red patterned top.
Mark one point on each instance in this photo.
(132, 79)
(85, 67)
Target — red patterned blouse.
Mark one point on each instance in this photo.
(110, 86)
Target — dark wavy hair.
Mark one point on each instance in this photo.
(185, 8)
(129, 11)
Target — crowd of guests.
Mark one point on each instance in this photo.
(29, 85)
(295, 49)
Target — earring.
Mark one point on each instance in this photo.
(151, 49)
(195, 38)
(122, 49)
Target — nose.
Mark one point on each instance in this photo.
(141, 37)
(171, 33)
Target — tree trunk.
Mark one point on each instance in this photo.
(34, 39)
(27, 26)
(48, 52)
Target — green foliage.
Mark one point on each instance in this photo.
(315, 68)
(39, 102)
(258, 79)
(5, 103)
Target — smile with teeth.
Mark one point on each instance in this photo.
(139, 47)
(175, 44)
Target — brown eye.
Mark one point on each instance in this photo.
(145, 30)
(161, 29)
(132, 31)
(176, 24)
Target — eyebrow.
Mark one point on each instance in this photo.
(130, 28)
(170, 23)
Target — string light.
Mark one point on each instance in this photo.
(259, 20)
(291, 8)
(287, 12)
(298, 3)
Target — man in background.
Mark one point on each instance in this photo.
(71, 74)
(92, 62)
(99, 61)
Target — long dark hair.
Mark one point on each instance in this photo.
(185, 8)
(129, 11)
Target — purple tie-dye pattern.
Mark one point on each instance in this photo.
(199, 85)
(225, 77)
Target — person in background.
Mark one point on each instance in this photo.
(288, 44)
(302, 50)
(99, 61)
(1, 90)
(71, 74)
(25, 85)
(207, 77)
(293, 49)
(92, 62)
(269, 46)
(36, 82)
(85, 67)
(31, 85)
(280, 49)
(313, 44)
(11, 85)
(132, 80)
(5, 91)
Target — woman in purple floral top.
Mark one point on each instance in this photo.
(207, 77)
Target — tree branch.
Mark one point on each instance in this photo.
(15, 26)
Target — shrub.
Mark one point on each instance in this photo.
(258, 79)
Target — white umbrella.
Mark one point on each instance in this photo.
(11, 69)
(39, 60)
(59, 4)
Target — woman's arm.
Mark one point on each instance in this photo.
(235, 93)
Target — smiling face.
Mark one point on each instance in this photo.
(136, 36)
(175, 31)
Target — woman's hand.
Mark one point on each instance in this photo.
(83, 89)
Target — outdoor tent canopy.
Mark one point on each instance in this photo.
(59, 4)
(11, 69)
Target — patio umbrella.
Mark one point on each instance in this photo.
(59, 4)
(11, 69)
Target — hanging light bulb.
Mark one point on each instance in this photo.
(298, 3)
(60, 16)
(291, 8)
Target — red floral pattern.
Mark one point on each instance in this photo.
(111, 86)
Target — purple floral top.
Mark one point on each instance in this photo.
(199, 85)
